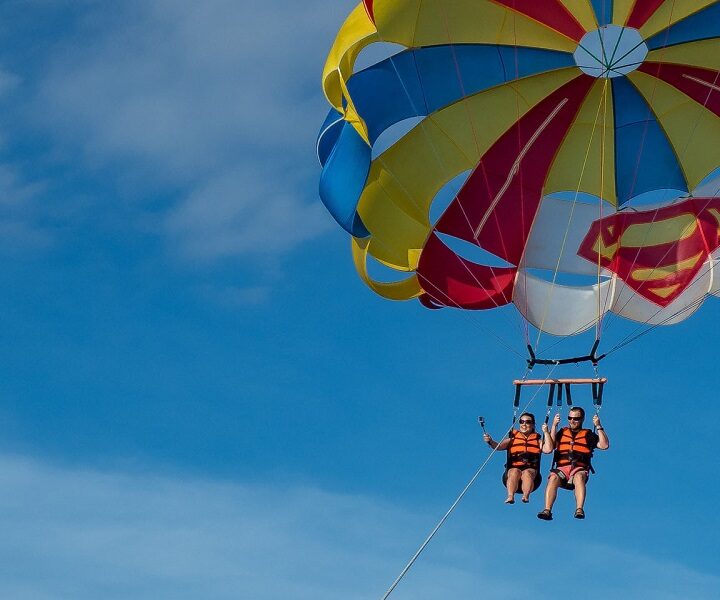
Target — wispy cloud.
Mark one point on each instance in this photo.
(21, 223)
(78, 534)
(216, 101)
(235, 297)
(8, 82)
(243, 212)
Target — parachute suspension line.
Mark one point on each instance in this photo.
(602, 306)
(526, 324)
(640, 332)
(708, 270)
(484, 330)
(471, 122)
(439, 160)
(411, 198)
(467, 487)
(630, 339)
(712, 87)
(639, 155)
(569, 222)
(617, 45)
(466, 314)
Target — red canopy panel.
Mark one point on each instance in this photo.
(450, 280)
(496, 207)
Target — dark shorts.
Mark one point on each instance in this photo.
(523, 467)
(536, 482)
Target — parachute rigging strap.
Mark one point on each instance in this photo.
(549, 402)
(516, 406)
(480, 469)
(597, 383)
(592, 358)
(556, 270)
(597, 392)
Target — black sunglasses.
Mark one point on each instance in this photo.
(574, 418)
(526, 422)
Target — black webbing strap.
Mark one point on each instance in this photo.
(559, 395)
(592, 358)
(567, 394)
(516, 406)
(597, 393)
(551, 397)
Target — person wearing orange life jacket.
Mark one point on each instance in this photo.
(573, 448)
(524, 448)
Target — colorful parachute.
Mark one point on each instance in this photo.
(567, 117)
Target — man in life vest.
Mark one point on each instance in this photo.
(524, 447)
(572, 464)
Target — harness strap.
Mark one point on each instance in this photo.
(551, 397)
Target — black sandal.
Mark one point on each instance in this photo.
(579, 513)
(545, 515)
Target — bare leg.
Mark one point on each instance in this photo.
(579, 480)
(528, 480)
(513, 479)
(551, 490)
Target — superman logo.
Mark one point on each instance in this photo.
(656, 252)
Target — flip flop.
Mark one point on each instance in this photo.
(579, 513)
(525, 500)
(545, 515)
(509, 500)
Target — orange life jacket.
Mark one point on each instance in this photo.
(573, 448)
(524, 451)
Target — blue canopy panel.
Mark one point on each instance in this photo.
(413, 83)
(343, 178)
(702, 25)
(656, 167)
(420, 81)
(329, 133)
(603, 11)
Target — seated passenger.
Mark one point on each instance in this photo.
(572, 464)
(522, 467)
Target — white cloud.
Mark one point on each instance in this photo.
(20, 209)
(243, 212)
(70, 533)
(220, 98)
(8, 82)
(235, 297)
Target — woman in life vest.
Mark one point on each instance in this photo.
(572, 464)
(524, 447)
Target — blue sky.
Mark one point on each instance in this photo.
(200, 399)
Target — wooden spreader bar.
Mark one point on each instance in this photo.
(571, 381)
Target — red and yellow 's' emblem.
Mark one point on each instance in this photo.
(656, 252)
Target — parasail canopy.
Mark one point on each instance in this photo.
(570, 122)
